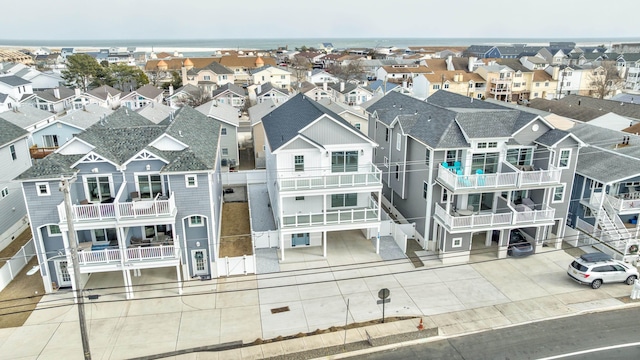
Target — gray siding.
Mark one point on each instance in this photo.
(11, 169)
(527, 135)
(329, 132)
(229, 142)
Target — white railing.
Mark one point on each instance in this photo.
(473, 221)
(331, 217)
(632, 202)
(534, 216)
(120, 210)
(617, 222)
(350, 179)
(539, 177)
(477, 181)
(110, 256)
(13, 266)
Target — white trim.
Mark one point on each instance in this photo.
(560, 158)
(47, 192)
(458, 240)
(85, 184)
(4, 192)
(553, 195)
(195, 181)
(398, 141)
(191, 224)
(50, 234)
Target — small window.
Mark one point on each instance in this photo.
(196, 221)
(565, 156)
(492, 145)
(43, 189)
(482, 145)
(558, 194)
(446, 86)
(425, 189)
(298, 162)
(223, 131)
(357, 126)
(299, 198)
(436, 87)
(225, 151)
(398, 141)
(191, 181)
(54, 230)
(12, 148)
(457, 242)
(386, 161)
(4, 193)
(444, 195)
(386, 134)
(426, 158)
(397, 172)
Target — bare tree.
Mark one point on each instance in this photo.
(194, 99)
(605, 80)
(299, 66)
(354, 70)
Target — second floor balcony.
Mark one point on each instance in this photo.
(371, 176)
(511, 178)
(489, 220)
(131, 255)
(369, 214)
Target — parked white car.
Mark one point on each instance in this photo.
(598, 268)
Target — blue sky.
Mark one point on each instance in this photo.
(193, 19)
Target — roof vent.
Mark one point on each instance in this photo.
(126, 111)
(180, 133)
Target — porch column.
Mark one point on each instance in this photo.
(378, 241)
(281, 247)
(434, 237)
(379, 206)
(179, 279)
(126, 275)
(503, 240)
(324, 210)
(324, 244)
(488, 236)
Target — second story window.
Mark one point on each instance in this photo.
(398, 141)
(149, 185)
(344, 161)
(43, 189)
(386, 134)
(12, 149)
(98, 188)
(564, 158)
(5, 193)
(298, 162)
(452, 156)
(223, 131)
(519, 156)
(191, 181)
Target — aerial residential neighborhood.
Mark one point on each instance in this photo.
(266, 193)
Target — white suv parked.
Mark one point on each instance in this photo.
(597, 268)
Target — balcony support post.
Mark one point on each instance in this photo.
(281, 246)
(324, 244)
(179, 279)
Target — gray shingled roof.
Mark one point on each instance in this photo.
(122, 118)
(121, 143)
(265, 88)
(616, 107)
(256, 112)
(451, 100)
(26, 116)
(218, 68)
(3, 97)
(48, 94)
(51, 167)
(149, 91)
(13, 80)
(9, 132)
(551, 137)
(487, 124)
(284, 123)
(86, 117)
(156, 113)
(229, 87)
(349, 87)
(581, 113)
(103, 91)
(606, 166)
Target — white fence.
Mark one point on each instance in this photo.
(247, 177)
(12, 267)
(240, 265)
(265, 239)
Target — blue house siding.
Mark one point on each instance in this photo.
(64, 133)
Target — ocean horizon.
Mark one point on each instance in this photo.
(292, 43)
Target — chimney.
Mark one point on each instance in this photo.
(472, 60)
(170, 90)
(56, 92)
(77, 92)
(341, 86)
(259, 89)
(324, 85)
(404, 84)
(184, 75)
(450, 63)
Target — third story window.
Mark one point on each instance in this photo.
(12, 149)
(565, 156)
(298, 162)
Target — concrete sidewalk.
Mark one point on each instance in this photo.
(314, 292)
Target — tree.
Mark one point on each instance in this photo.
(605, 80)
(81, 70)
(194, 99)
(176, 81)
(354, 70)
(299, 67)
(127, 77)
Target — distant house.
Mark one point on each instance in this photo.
(319, 76)
(270, 74)
(357, 118)
(105, 96)
(14, 159)
(156, 113)
(16, 87)
(208, 78)
(54, 100)
(30, 119)
(316, 92)
(182, 94)
(326, 47)
(6, 103)
(351, 94)
(401, 73)
(257, 129)
(65, 52)
(243, 65)
(230, 94)
(227, 115)
(141, 97)
(269, 92)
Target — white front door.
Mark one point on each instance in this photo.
(199, 261)
(62, 272)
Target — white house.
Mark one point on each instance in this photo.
(144, 95)
(279, 78)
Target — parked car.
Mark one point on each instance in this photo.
(598, 268)
(519, 246)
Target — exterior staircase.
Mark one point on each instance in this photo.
(613, 233)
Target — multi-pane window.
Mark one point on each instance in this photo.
(520, 156)
(425, 189)
(223, 131)
(98, 188)
(195, 221)
(12, 149)
(4, 193)
(225, 151)
(488, 163)
(50, 140)
(191, 181)
(344, 161)
(397, 172)
(150, 185)
(298, 162)
(386, 134)
(452, 156)
(342, 200)
(54, 230)
(398, 141)
(563, 160)
(558, 194)
(43, 189)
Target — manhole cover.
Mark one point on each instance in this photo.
(279, 310)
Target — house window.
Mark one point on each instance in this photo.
(54, 230)
(4, 193)
(343, 200)
(565, 156)
(436, 87)
(482, 145)
(196, 221)
(225, 151)
(149, 185)
(357, 126)
(191, 181)
(50, 140)
(298, 162)
(386, 161)
(520, 156)
(452, 156)
(487, 162)
(206, 78)
(299, 198)
(398, 141)
(344, 161)
(98, 188)
(426, 158)
(386, 134)
(446, 86)
(425, 189)
(444, 195)
(397, 172)
(12, 149)
(43, 189)
(492, 145)
(223, 131)
(537, 84)
(456, 242)
(558, 194)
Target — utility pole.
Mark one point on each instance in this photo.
(73, 245)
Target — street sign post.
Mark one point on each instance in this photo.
(383, 294)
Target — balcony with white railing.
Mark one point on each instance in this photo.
(500, 180)
(503, 80)
(544, 215)
(627, 203)
(333, 217)
(487, 221)
(325, 179)
(112, 256)
(157, 207)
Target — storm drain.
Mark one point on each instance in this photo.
(279, 310)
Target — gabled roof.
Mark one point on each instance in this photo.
(89, 115)
(49, 94)
(552, 137)
(187, 89)
(149, 91)
(223, 112)
(10, 132)
(13, 80)
(217, 68)
(285, 122)
(339, 107)
(386, 85)
(606, 166)
(616, 107)
(487, 124)
(441, 76)
(349, 87)
(265, 88)
(3, 97)
(258, 111)
(269, 68)
(581, 113)
(248, 62)
(235, 89)
(448, 99)
(156, 112)
(104, 91)
(26, 116)
(51, 167)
